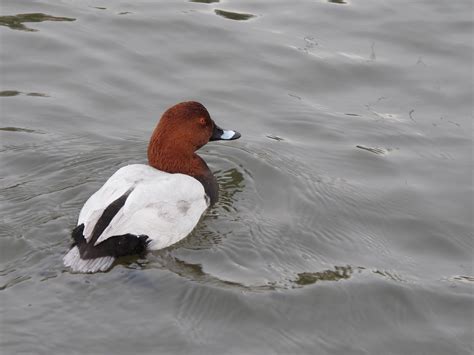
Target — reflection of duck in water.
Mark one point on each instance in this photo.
(230, 182)
(150, 207)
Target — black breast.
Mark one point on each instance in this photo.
(211, 187)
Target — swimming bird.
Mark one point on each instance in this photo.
(150, 207)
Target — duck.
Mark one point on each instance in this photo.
(145, 207)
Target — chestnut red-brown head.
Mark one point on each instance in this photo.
(183, 129)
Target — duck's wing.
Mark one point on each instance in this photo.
(165, 211)
(121, 182)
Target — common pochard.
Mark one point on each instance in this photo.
(150, 207)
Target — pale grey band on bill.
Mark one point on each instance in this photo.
(223, 134)
(228, 134)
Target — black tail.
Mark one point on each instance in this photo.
(115, 246)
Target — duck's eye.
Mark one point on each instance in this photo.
(202, 121)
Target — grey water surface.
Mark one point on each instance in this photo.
(345, 219)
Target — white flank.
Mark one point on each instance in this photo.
(74, 261)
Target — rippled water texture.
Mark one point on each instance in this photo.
(345, 219)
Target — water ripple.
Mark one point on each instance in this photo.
(237, 16)
(15, 22)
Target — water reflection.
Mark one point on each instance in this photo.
(388, 274)
(379, 151)
(462, 278)
(9, 93)
(339, 273)
(204, 1)
(275, 137)
(14, 282)
(230, 181)
(195, 272)
(37, 94)
(16, 22)
(233, 15)
(18, 129)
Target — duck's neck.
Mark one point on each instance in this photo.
(173, 159)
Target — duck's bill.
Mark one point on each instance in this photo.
(220, 134)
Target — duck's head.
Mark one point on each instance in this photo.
(183, 129)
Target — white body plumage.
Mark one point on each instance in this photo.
(165, 207)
